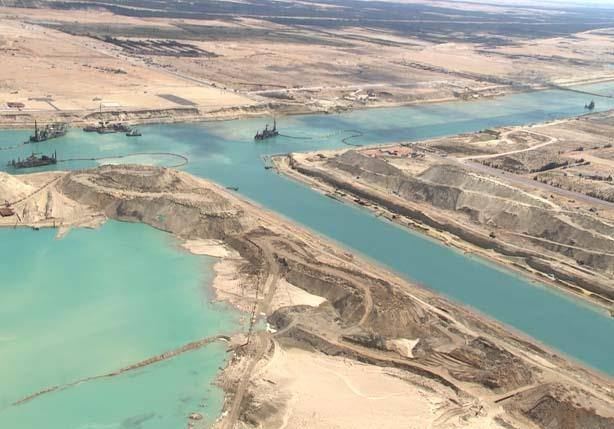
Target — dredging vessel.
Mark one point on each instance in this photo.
(34, 161)
(104, 127)
(50, 131)
(266, 133)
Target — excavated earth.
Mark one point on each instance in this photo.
(481, 374)
(474, 209)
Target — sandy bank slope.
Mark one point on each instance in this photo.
(36, 201)
(330, 356)
(567, 240)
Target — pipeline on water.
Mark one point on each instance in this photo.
(316, 137)
(184, 159)
(194, 345)
(355, 133)
(345, 140)
(296, 137)
(581, 91)
(13, 147)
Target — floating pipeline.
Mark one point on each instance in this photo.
(17, 146)
(356, 133)
(194, 345)
(296, 137)
(184, 159)
(345, 140)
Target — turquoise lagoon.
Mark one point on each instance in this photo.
(226, 153)
(96, 301)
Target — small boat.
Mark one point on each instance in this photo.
(133, 133)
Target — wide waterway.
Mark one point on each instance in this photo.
(226, 153)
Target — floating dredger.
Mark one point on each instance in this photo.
(266, 133)
(34, 161)
(50, 131)
(104, 127)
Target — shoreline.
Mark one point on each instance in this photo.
(257, 110)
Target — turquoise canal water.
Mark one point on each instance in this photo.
(66, 310)
(96, 301)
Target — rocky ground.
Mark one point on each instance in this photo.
(346, 343)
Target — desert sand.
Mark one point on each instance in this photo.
(94, 61)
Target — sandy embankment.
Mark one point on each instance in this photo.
(229, 284)
(215, 248)
(438, 205)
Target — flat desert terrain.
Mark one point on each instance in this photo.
(79, 61)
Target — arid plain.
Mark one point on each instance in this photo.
(75, 60)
